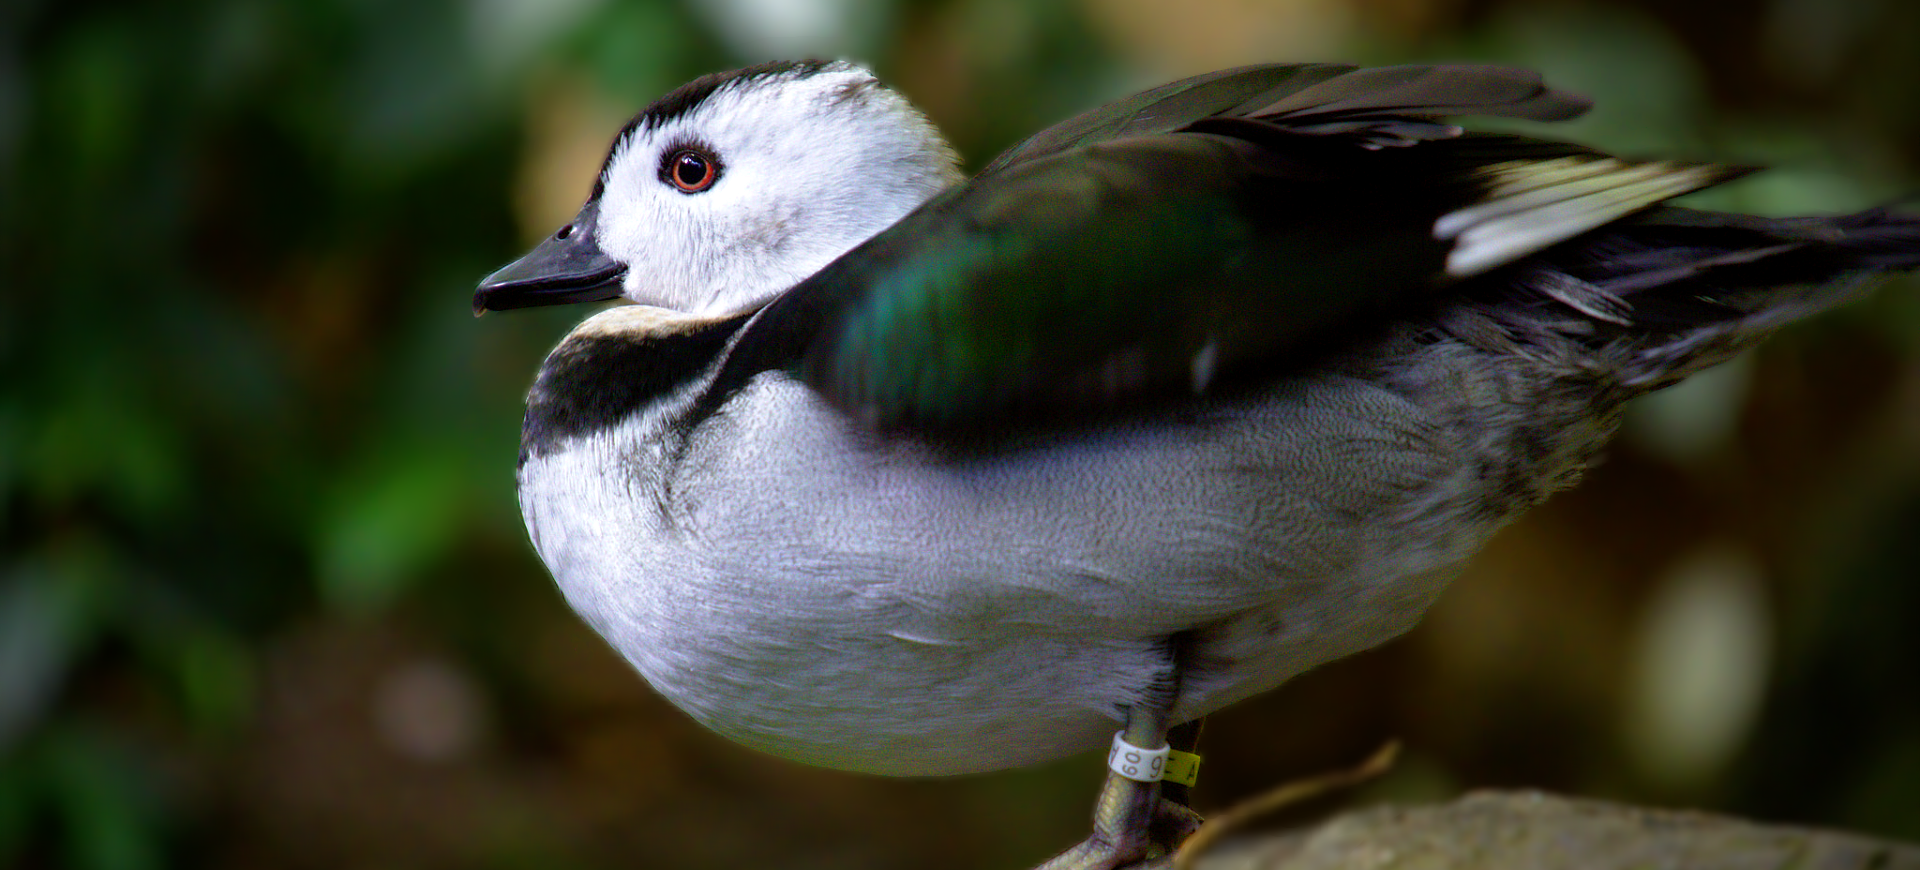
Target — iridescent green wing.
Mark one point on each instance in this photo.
(1105, 273)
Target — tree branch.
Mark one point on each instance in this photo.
(1533, 831)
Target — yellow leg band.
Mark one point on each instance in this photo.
(1182, 767)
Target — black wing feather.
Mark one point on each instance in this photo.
(1421, 92)
(1170, 107)
(1191, 230)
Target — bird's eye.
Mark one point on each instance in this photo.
(690, 171)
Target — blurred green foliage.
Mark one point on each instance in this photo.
(254, 455)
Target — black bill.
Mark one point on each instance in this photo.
(567, 267)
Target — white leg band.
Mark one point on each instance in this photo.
(1132, 762)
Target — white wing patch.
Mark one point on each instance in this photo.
(1532, 204)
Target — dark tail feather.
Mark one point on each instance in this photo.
(1679, 251)
(1740, 277)
(1654, 299)
(1881, 239)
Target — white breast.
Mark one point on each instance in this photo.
(865, 603)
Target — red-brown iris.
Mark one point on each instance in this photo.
(690, 171)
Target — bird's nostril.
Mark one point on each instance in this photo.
(564, 232)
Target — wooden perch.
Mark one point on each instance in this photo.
(1533, 831)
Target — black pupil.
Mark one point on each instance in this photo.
(691, 171)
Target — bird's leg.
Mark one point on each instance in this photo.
(1131, 822)
(1183, 737)
(1176, 819)
(1123, 817)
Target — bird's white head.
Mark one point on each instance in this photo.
(736, 186)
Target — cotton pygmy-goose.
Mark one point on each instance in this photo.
(897, 471)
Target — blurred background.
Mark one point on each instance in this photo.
(265, 600)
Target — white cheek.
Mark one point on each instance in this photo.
(750, 220)
(686, 251)
(643, 228)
